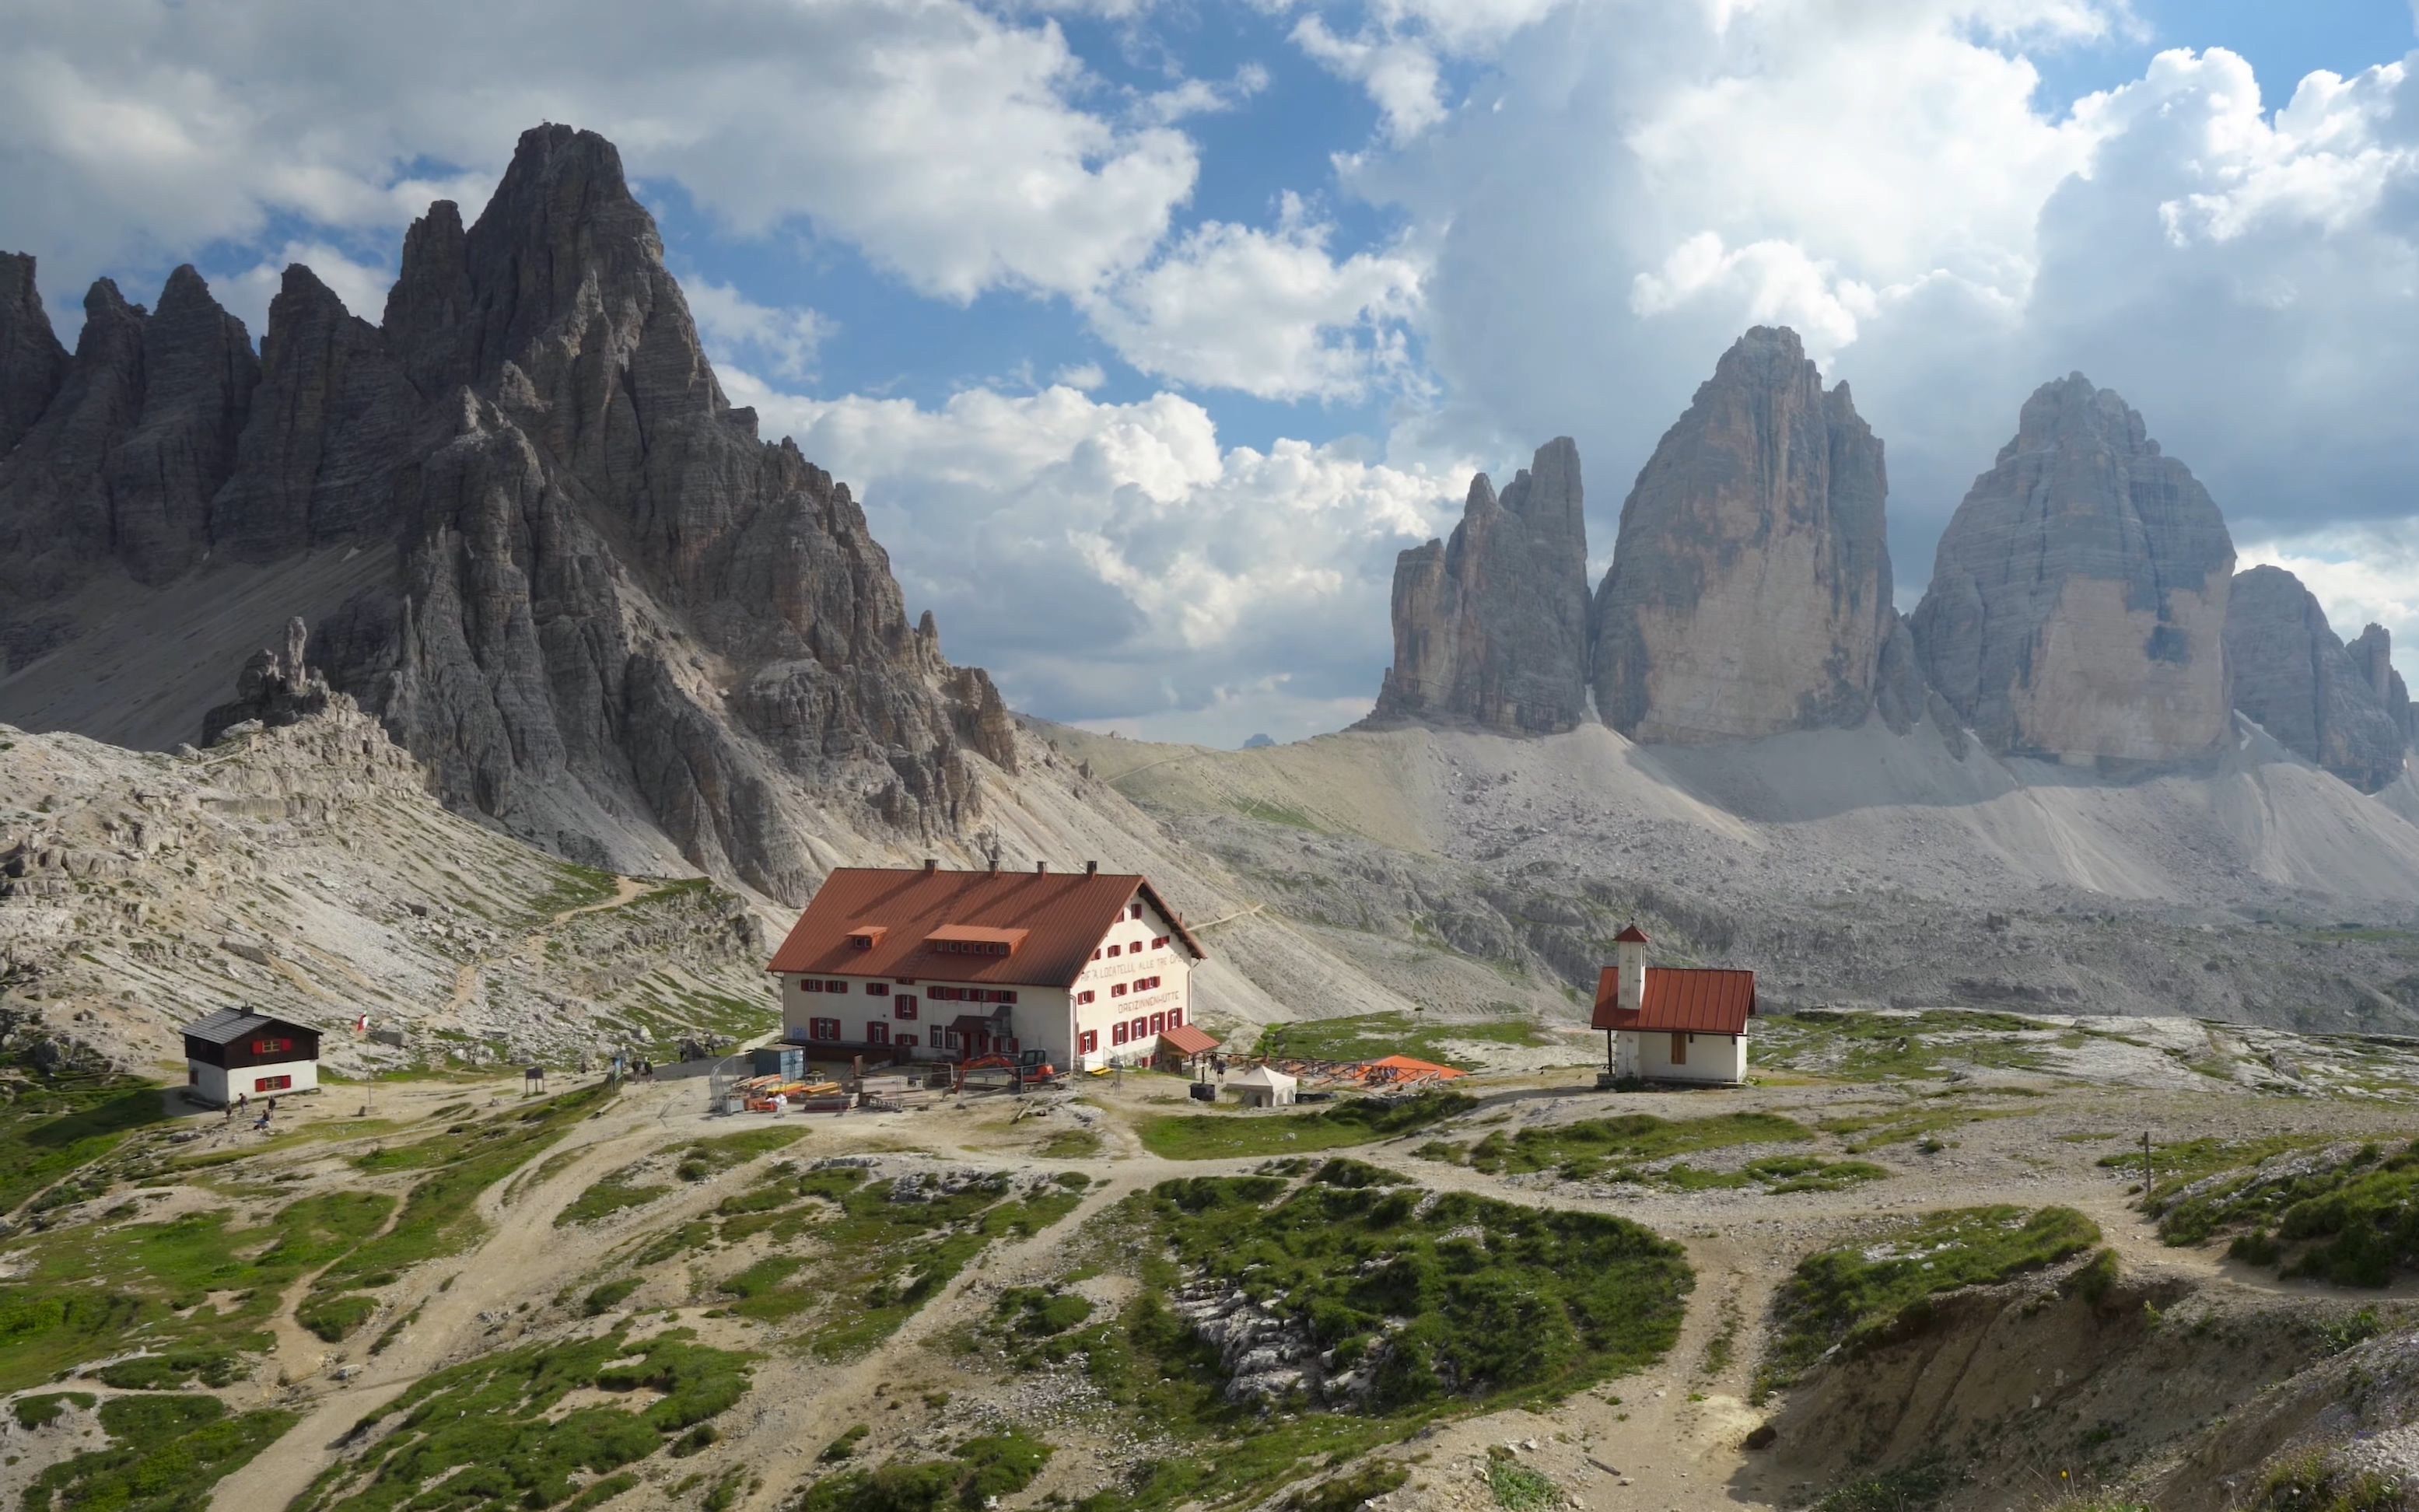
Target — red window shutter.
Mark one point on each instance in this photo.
(1118, 1033)
(906, 1041)
(1117, 991)
(877, 1032)
(1158, 1023)
(1175, 1017)
(1115, 949)
(811, 985)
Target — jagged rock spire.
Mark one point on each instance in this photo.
(1490, 629)
(1749, 592)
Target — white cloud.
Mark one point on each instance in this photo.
(737, 329)
(246, 294)
(1399, 52)
(1201, 97)
(1269, 313)
(948, 143)
(1401, 74)
(1178, 575)
(1644, 183)
(1083, 376)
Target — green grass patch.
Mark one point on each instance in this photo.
(488, 1433)
(334, 1314)
(172, 1369)
(1360, 1122)
(1857, 1046)
(995, 1465)
(55, 1124)
(44, 1410)
(1517, 1486)
(875, 1262)
(607, 1197)
(1070, 1143)
(1855, 1294)
(1375, 1036)
(1591, 1148)
(1348, 1491)
(2341, 1213)
(164, 1455)
(1433, 1305)
(92, 1292)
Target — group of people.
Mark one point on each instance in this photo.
(242, 1104)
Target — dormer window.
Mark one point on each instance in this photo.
(866, 937)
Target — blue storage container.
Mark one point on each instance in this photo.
(784, 1061)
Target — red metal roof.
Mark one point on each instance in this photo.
(1681, 1000)
(1186, 1041)
(1061, 914)
(1632, 936)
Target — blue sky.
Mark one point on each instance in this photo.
(1149, 331)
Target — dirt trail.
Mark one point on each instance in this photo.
(522, 1256)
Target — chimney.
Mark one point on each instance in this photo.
(1091, 869)
(931, 866)
(1041, 869)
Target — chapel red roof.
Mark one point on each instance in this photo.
(1053, 919)
(1680, 1000)
(1632, 936)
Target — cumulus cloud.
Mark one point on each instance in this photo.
(736, 329)
(1192, 588)
(1400, 51)
(1642, 184)
(1270, 313)
(948, 142)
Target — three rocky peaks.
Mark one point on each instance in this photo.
(605, 608)
(2083, 608)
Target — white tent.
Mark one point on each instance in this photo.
(1262, 1086)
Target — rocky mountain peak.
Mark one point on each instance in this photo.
(2295, 677)
(2372, 654)
(1749, 592)
(31, 362)
(614, 618)
(2078, 605)
(1490, 628)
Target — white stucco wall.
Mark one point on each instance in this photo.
(1712, 1057)
(216, 1085)
(1173, 965)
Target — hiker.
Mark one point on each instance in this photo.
(261, 1123)
(230, 1113)
(272, 1107)
(243, 1102)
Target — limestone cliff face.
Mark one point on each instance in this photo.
(2373, 655)
(1490, 628)
(2078, 607)
(613, 607)
(31, 362)
(2294, 677)
(1751, 586)
(137, 437)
